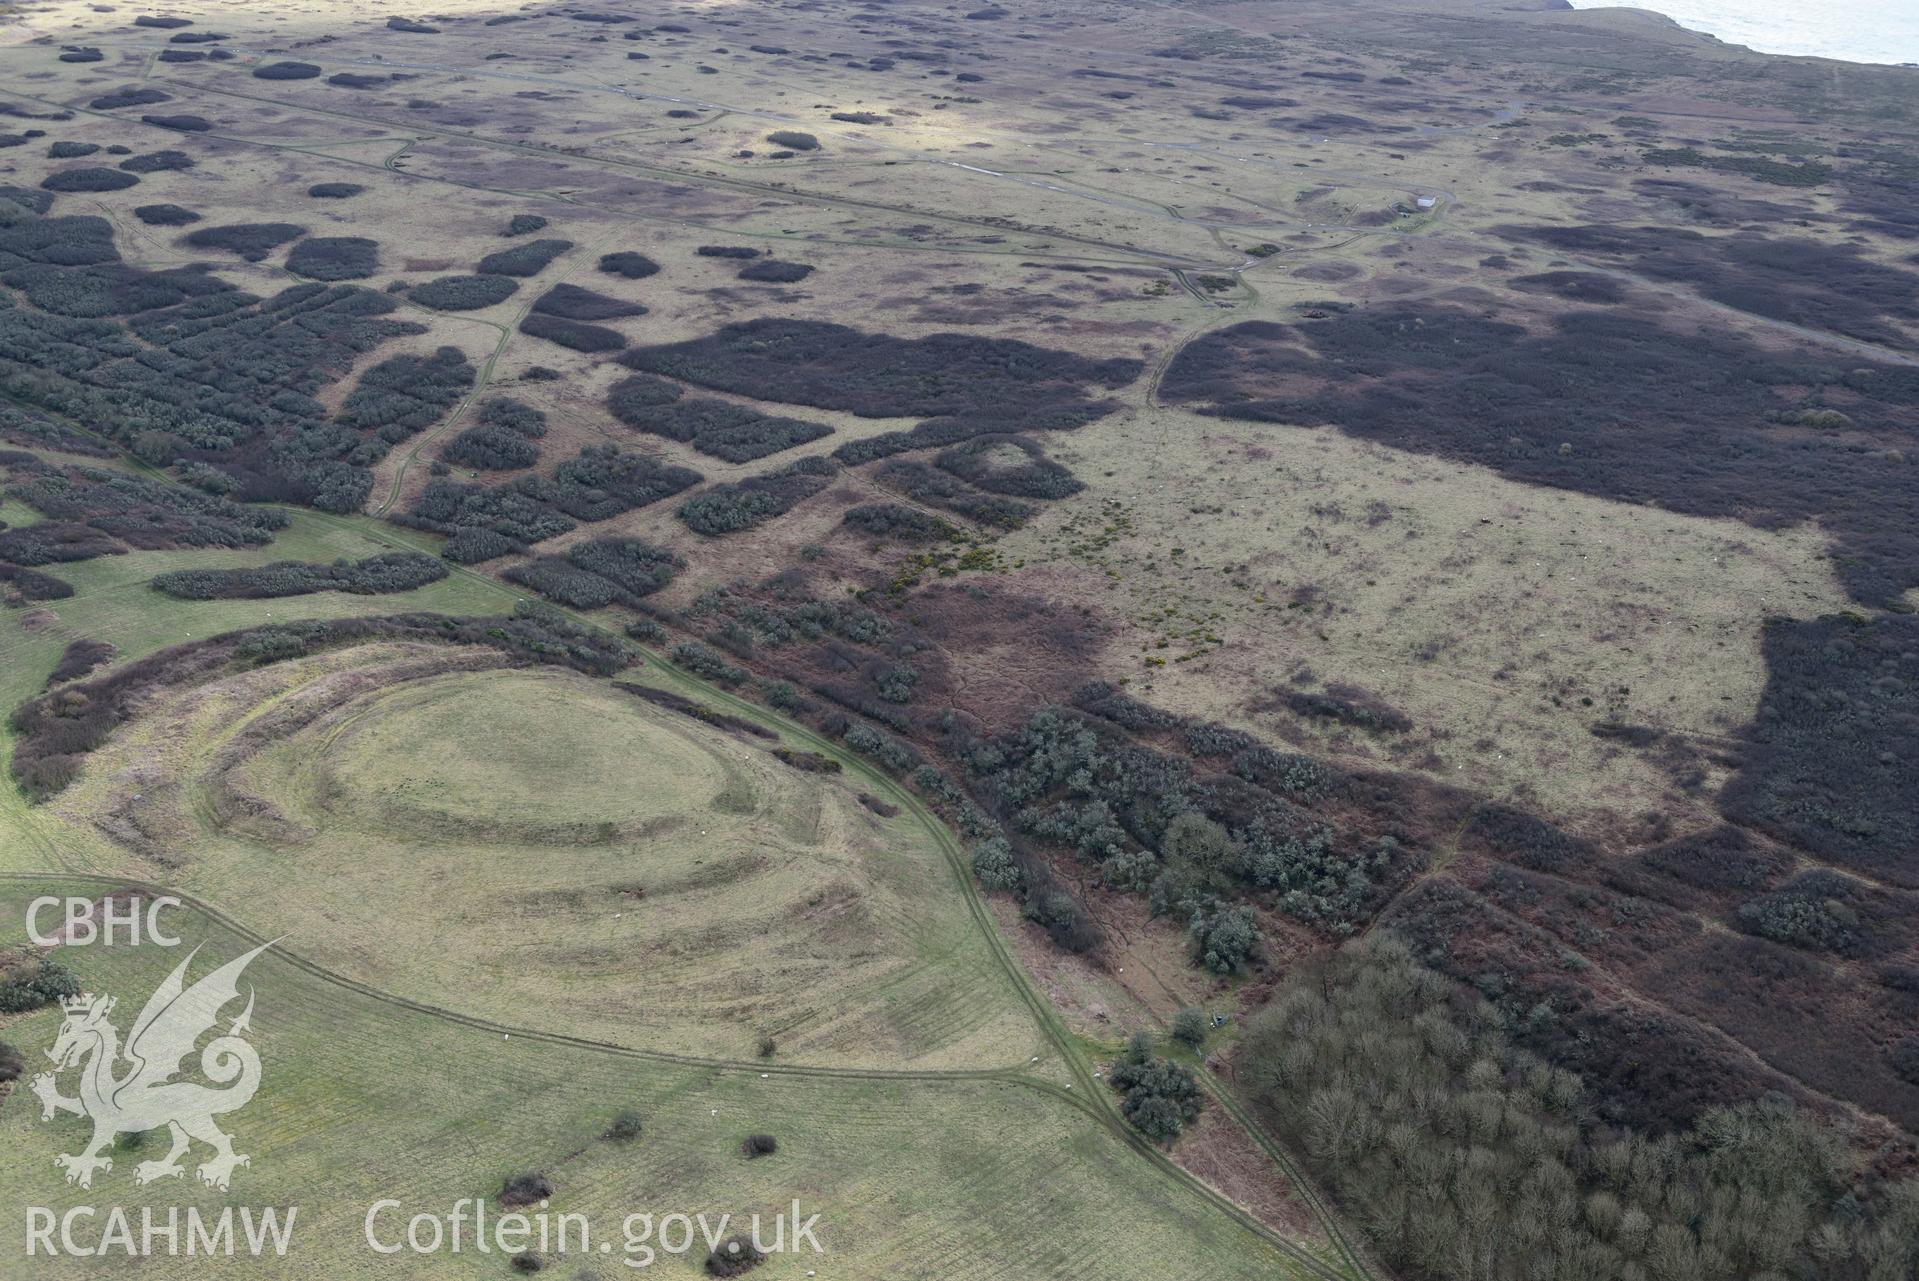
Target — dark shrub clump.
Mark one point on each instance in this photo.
(376, 575)
(72, 180)
(632, 266)
(773, 271)
(165, 215)
(334, 190)
(251, 240)
(286, 71)
(335, 258)
(464, 293)
(760, 1145)
(528, 259)
(573, 334)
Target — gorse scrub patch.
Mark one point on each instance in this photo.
(88, 180)
(829, 366)
(464, 293)
(572, 333)
(286, 71)
(251, 240)
(334, 190)
(165, 215)
(157, 162)
(724, 509)
(570, 302)
(774, 271)
(334, 258)
(527, 259)
(628, 265)
(128, 97)
(406, 394)
(722, 429)
(376, 575)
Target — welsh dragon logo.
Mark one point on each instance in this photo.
(131, 1089)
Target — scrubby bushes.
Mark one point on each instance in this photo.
(335, 258)
(165, 215)
(572, 334)
(184, 123)
(774, 271)
(1010, 465)
(936, 488)
(631, 399)
(894, 520)
(629, 265)
(793, 140)
(733, 1256)
(599, 572)
(464, 293)
(707, 662)
(570, 302)
(601, 482)
(758, 1145)
(88, 180)
(30, 585)
(1157, 1096)
(736, 433)
(524, 225)
(726, 251)
(157, 162)
(80, 658)
(876, 375)
(491, 447)
(406, 394)
(251, 240)
(92, 511)
(528, 259)
(132, 96)
(65, 150)
(35, 984)
(625, 1126)
(726, 508)
(376, 575)
(286, 71)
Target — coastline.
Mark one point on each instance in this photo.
(1875, 33)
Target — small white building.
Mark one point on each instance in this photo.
(1426, 202)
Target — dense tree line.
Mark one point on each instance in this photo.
(1464, 1159)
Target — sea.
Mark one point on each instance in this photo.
(1853, 30)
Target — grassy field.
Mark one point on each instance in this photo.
(364, 1098)
(503, 841)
